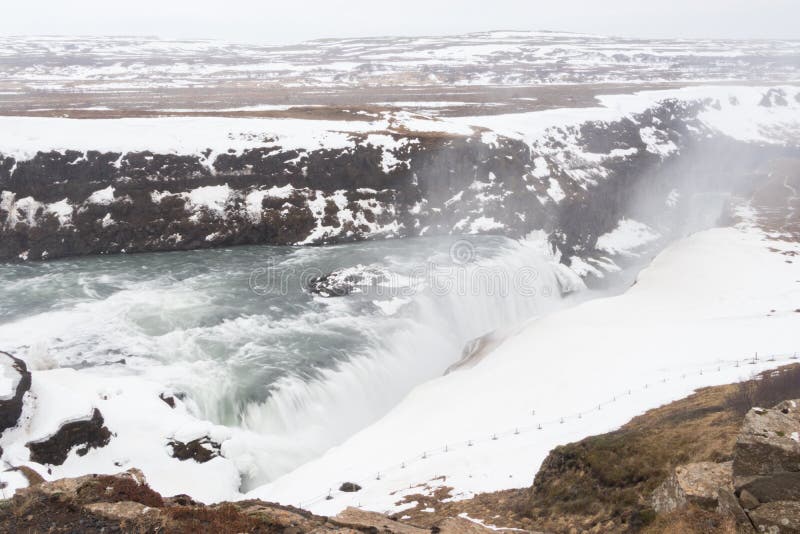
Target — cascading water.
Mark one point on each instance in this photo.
(302, 371)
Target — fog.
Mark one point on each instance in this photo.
(285, 22)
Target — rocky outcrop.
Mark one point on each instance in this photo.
(200, 450)
(125, 503)
(575, 183)
(85, 434)
(766, 467)
(698, 483)
(767, 455)
(19, 382)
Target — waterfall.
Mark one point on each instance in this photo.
(459, 301)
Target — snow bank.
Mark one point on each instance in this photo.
(23, 137)
(142, 425)
(626, 237)
(704, 302)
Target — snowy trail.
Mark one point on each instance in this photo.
(534, 426)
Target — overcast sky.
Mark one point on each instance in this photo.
(298, 20)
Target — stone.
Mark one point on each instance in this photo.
(86, 434)
(200, 450)
(349, 487)
(769, 488)
(697, 483)
(168, 399)
(124, 510)
(747, 500)
(781, 517)
(766, 457)
(728, 505)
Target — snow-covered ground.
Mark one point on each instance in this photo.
(748, 113)
(490, 58)
(706, 301)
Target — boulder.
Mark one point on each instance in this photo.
(126, 511)
(728, 505)
(697, 483)
(342, 282)
(200, 450)
(86, 434)
(16, 382)
(766, 458)
(349, 487)
(747, 500)
(780, 517)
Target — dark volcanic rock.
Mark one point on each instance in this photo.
(200, 450)
(349, 487)
(345, 281)
(168, 399)
(11, 407)
(87, 434)
(440, 185)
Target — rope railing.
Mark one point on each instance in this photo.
(540, 426)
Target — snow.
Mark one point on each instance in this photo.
(541, 169)
(466, 516)
(9, 378)
(699, 306)
(28, 206)
(555, 192)
(484, 224)
(747, 120)
(626, 237)
(213, 197)
(102, 196)
(62, 210)
(141, 423)
(23, 137)
(657, 142)
(490, 58)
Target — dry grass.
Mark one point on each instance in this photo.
(222, 519)
(766, 390)
(693, 520)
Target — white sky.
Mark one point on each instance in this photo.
(298, 20)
